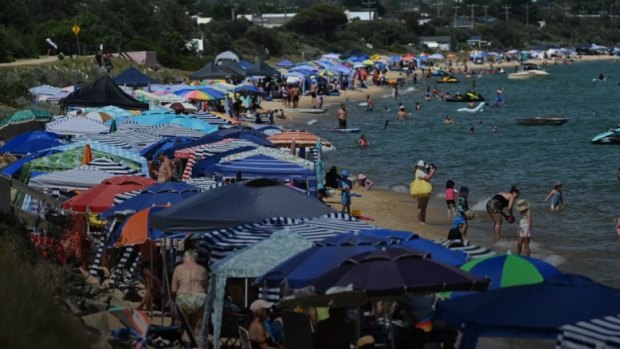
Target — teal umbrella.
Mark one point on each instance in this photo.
(113, 126)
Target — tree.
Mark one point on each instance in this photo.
(319, 20)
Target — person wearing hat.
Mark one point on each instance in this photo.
(345, 186)
(401, 115)
(556, 197)
(524, 233)
(259, 337)
(419, 172)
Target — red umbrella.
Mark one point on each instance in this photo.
(101, 197)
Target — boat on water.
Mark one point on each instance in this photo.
(467, 97)
(447, 80)
(528, 71)
(611, 136)
(542, 121)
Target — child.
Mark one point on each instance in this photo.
(524, 233)
(463, 208)
(450, 198)
(459, 229)
(556, 197)
(345, 196)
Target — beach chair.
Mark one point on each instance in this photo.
(244, 338)
(297, 331)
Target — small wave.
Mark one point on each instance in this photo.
(480, 205)
(386, 96)
(400, 189)
(554, 259)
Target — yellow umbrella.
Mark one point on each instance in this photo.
(368, 62)
(375, 57)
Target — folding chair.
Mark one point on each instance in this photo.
(244, 338)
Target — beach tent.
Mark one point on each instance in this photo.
(80, 178)
(211, 71)
(600, 333)
(248, 263)
(240, 203)
(23, 121)
(245, 64)
(76, 125)
(285, 64)
(530, 311)
(31, 142)
(226, 56)
(232, 67)
(100, 93)
(261, 68)
(133, 77)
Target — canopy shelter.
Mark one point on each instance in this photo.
(599, 333)
(226, 56)
(285, 64)
(211, 71)
(101, 197)
(529, 311)
(70, 156)
(31, 142)
(261, 68)
(134, 77)
(237, 204)
(100, 93)
(264, 166)
(76, 125)
(163, 145)
(80, 178)
(23, 121)
(245, 133)
(249, 262)
(48, 93)
(132, 139)
(233, 67)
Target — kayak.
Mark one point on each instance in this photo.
(346, 130)
(472, 110)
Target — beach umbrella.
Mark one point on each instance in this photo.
(194, 124)
(301, 138)
(285, 64)
(154, 119)
(182, 107)
(436, 56)
(237, 204)
(31, 142)
(511, 270)
(87, 156)
(101, 197)
(368, 62)
(249, 89)
(168, 193)
(113, 127)
(197, 95)
(529, 311)
(98, 116)
(395, 271)
(136, 229)
(23, 121)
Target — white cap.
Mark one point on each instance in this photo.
(260, 304)
(421, 163)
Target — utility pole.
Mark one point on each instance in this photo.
(370, 4)
(473, 16)
(456, 12)
(486, 7)
(283, 6)
(506, 8)
(527, 14)
(232, 10)
(438, 5)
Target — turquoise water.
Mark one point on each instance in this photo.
(581, 238)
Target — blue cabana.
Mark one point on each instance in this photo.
(134, 78)
(31, 142)
(264, 166)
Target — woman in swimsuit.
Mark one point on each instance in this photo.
(496, 205)
(556, 197)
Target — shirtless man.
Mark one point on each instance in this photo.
(401, 115)
(164, 173)
(189, 284)
(370, 104)
(342, 115)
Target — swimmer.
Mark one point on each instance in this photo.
(401, 115)
(495, 128)
(618, 226)
(363, 142)
(472, 129)
(448, 120)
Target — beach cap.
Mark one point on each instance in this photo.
(260, 304)
(345, 173)
(361, 176)
(421, 163)
(458, 220)
(522, 205)
(365, 340)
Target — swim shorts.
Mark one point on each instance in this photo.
(494, 206)
(191, 303)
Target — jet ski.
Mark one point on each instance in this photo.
(466, 97)
(611, 136)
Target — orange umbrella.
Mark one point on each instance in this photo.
(87, 157)
(301, 139)
(136, 228)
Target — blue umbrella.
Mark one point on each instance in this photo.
(250, 89)
(164, 145)
(158, 194)
(194, 124)
(529, 311)
(153, 119)
(31, 142)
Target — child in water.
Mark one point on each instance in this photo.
(524, 233)
(556, 197)
(450, 198)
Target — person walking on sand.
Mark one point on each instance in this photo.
(524, 231)
(495, 208)
(188, 286)
(342, 115)
(420, 172)
(556, 197)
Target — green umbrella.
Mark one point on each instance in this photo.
(26, 115)
(72, 159)
(113, 126)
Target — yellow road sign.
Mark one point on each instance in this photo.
(75, 29)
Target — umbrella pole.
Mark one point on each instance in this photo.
(151, 301)
(246, 292)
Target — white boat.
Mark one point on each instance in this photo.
(528, 71)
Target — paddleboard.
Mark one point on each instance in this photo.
(472, 110)
(309, 110)
(363, 104)
(346, 130)
(313, 121)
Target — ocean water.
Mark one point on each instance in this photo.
(581, 238)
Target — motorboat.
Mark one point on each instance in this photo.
(447, 80)
(467, 97)
(542, 121)
(611, 136)
(528, 71)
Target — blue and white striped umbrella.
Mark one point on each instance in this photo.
(75, 126)
(594, 334)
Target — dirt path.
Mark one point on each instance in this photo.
(34, 61)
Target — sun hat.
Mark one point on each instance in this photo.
(260, 304)
(365, 340)
(345, 173)
(421, 163)
(522, 205)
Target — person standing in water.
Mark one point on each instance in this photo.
(363, 142)
(495, 208)
(556, 197)
(401, 115)
(342, 115)
(370, 104)
(524, 231)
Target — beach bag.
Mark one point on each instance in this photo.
(420, 188)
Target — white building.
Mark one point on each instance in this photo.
(360, 15)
